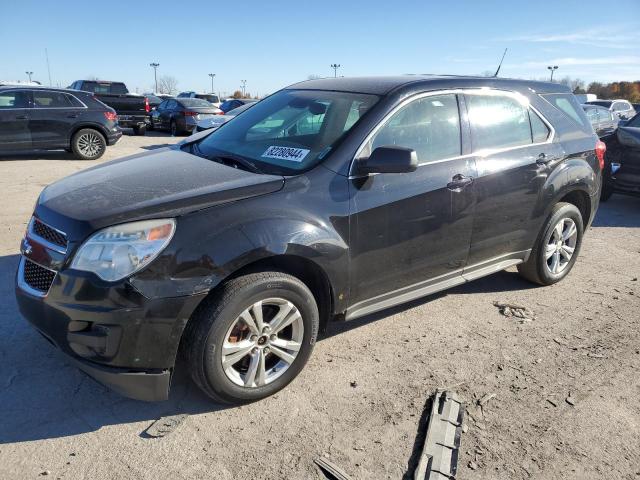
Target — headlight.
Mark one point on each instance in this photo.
(120, 251)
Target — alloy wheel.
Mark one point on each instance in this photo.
(90, 144)
(561, 245)
(262, 342)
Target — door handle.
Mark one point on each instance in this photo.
(458, 182)
(22, 117)
(72, 115)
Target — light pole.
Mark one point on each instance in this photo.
(552, 68)
(155, 74)
(212, 75)
(335, 67)
(29, 73)
(244, 84)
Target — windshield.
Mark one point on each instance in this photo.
(209, 98)
(634, 122)
(241, 109)
(602, 104)
(195, 102)
(290, 131)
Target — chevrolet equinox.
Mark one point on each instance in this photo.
(328, 200)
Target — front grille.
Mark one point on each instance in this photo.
(37, 277)
(51, 235)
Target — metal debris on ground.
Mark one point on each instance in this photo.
(331, 470)
(486, 398)
(521, 312)
(165, 425)
(439, 457)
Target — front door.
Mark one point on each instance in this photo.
(409, 230)
(14, 120)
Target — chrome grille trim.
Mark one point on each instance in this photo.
(57, 240)
(22, 282)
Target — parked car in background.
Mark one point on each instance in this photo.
(232, 103)
(621, 108)
(331, 199)
(212, 98)
(153, 100)
(622, 168)
(133, 110)
(181, 115)
(603, 121)
(217, 120)
(39, 118)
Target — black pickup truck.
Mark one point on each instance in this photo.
(132, 110)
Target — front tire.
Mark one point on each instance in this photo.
(88, 144)
(252, 337)
(173, 128)
(557, 246)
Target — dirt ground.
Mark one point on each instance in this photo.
(566, 385)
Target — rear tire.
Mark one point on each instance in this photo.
(606, 192)
(557, 247)
(220, 322)
(140, 130)
(88, 144)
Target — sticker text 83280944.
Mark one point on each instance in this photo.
(286, 153)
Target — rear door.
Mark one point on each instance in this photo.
(52, 118)
(628, 174)
(514, 152)
(14, 120)
(411, 230)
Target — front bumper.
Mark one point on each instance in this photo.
(113, 136)
(110, 331)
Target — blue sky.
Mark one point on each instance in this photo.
(275, 43)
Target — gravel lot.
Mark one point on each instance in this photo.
(566, 385)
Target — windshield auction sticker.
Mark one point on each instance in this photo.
(286, 153)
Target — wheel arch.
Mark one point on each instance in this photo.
(95, 126)
(304, 269)
(580, 198)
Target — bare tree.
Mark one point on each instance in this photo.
(575, 84)
(167, 85)
(313, 76)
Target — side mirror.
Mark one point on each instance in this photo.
(390, 159)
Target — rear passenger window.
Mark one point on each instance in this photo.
(567, 104)
(429, 125)
(74, 101)
(50, 100)
(498, 122)
(539, 130)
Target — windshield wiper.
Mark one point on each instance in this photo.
(237, 162)
(227, 159)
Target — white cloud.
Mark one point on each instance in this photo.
(626, 60)
(602, 36)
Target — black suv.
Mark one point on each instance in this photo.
(38, 118)
(329, 200)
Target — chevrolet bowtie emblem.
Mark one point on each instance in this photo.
(26, 247)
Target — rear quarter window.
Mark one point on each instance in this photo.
(567, 104)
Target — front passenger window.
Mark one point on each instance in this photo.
(429, 125)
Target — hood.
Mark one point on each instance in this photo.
(163, 183)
